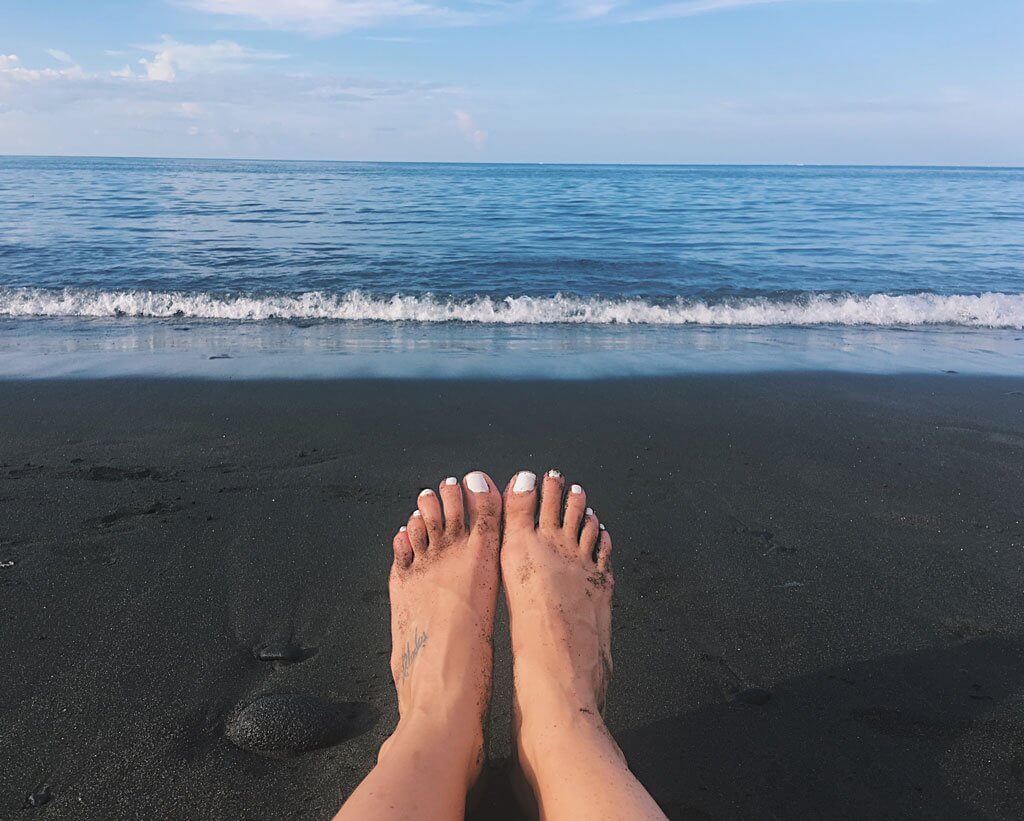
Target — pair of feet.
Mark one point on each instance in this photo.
(553, 558)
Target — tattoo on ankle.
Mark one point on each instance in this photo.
(409, 653)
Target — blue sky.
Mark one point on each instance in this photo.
(678, 81)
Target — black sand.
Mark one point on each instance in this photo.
(819, 609)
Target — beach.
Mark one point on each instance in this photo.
(817, 611)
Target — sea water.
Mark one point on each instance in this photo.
(210, 268)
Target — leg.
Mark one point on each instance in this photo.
(558, 582)
(443, 586)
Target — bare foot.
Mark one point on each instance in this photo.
(443, 586)
(555, 565)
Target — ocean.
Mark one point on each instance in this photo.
(243, 268)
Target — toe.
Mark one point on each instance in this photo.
(430, 510)
(483, 502)
(551, 500)
(588, 537)
(521, 501)
(403, 549)
(604, 551)
(454, 512)
(575, 504)
(417, 533)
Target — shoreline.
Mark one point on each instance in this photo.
(850, 544)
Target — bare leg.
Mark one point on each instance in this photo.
(443, 586)
(556, 570)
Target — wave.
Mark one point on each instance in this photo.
(988, 310)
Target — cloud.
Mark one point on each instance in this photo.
(325, 16)
(634, 11)
(170, 56)
(470, 130)
(60, 56)
(223, 101)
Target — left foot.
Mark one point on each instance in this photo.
(443, 586)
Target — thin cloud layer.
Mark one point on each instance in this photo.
(329, 16)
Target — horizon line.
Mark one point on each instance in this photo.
(993, 167)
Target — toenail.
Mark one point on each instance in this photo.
(554, 474)
(590, 511)
(451, 480)
(415, 514)
(600, 527)
(402, 529)
(575, 489)
(525, 482)
(477, 482)
(426, 492)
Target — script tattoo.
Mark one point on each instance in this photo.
(409, 653)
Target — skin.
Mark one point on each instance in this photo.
(555, 563)
(556, 569)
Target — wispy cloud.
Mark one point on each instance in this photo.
(60, 56)
(646, 10)
(170, 56)
(326, 16)
(467, 126)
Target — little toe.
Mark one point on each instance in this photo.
(521, 501)
(417, 533)
(551, 500)
(575, 505)
(604, 551)
(483, 502)
(402, 548)
(589, 535)
(430, 509)
(454, 512)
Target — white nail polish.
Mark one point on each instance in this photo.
(415, 514)
(402, 529)
(600, 527)
(426, 492)
(476, 482)
(554, 474)
(590, 511)
(525, 482)
(451, 480)
(575, 489)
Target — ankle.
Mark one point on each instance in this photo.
(421, 733)
(547, 732)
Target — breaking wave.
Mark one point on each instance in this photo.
(989, 310)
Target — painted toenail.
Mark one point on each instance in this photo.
(525, 482)
(415, 514)
(575, 489)
(554, 474)
(590, 511)
(426, 492)
(477, 482)
(451, 480)
(601, 527)
(402, 529)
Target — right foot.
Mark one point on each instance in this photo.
(555, 566)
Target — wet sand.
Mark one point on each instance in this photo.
(820, 600)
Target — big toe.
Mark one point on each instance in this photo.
(521, 501)
(483, 503)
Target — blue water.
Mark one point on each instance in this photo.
(97, 250)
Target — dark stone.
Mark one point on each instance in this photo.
(287, 724)
(283, 652)
(754, 695)
(39, 796)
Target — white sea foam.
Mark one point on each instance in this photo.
(989, 310)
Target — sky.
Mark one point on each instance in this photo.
(936, 82)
